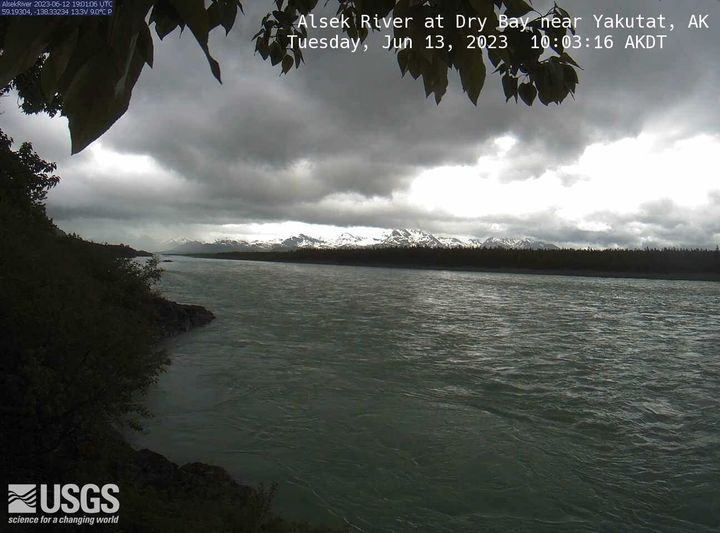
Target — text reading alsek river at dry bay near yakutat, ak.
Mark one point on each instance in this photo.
(372, 22)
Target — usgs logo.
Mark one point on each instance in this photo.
(68, 499)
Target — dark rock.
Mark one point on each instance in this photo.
(197, 480)
(156, 470)
(167, 261)
(213, 482)
(174, 318)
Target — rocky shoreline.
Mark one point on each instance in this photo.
(196, 480)
(196, 495)
(174, 318)
(154, 469)
(150, 469)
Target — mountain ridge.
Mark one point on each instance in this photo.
(400, 238)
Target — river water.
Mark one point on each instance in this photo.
(411, 400)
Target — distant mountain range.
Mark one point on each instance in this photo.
(402, 238)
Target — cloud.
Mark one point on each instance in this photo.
(346, 141)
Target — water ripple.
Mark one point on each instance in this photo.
(400, 400)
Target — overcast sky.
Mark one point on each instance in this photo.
(346, 143)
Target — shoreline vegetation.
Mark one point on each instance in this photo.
(79, 436)
(670, 264)
(82, 326)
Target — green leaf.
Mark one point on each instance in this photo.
(440, 79)
(527, 92)
(570, 78)
(276, 53)
(510, 87)
(517, 8)
(165, 26)
(568, 59)
(213, 13)
(472, 71)
(56, 63)
(99, 93)
(145, 45)
(227, 13)
(482, 7)
(262, 47)
(26, 38)
(287, 64)
(165, 17)
(403, 59)
(194, 15)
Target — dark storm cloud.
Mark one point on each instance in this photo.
(262, 147)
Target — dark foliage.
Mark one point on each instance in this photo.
(120, 250)
(29, 91)
(25, 180)
(77, 325)
(87, 67)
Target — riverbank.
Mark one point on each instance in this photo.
(689, 265)
(81, 324)
(165, 496)
(160, 496)
(157, 495)
(174, 318)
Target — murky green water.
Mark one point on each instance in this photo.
(401, 400)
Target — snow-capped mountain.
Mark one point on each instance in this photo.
(401, 238)
(410, 237)
(348, 240)
(301, 241)
(515, 244)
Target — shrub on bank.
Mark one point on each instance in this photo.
(78, 345)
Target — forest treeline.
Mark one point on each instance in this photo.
(669, 262)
